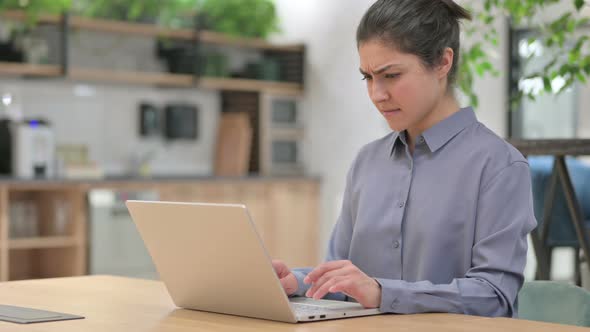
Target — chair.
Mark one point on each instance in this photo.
(554, 302)
(561, 231)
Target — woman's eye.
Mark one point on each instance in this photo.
(391, 75)
(366, 78)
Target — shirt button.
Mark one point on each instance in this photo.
(396, 244)
(401, 204)
(421, 139)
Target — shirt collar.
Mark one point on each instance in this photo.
(398, 138)
(442, 132)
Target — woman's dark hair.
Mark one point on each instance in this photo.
(420, 27)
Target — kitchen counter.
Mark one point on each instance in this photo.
(116, 181)
(285, 210)
(126, 178)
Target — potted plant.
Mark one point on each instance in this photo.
(10, 50)
(34, 8)
(243, 18)
(171, 13)
(14, 37)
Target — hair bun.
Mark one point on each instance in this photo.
(457, 11)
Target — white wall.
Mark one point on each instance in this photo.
(340, 116)
(584, 111)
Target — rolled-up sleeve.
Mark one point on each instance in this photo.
(490, 287)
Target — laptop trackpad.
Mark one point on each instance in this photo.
(329, 304)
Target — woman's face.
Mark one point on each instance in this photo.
(401, 87)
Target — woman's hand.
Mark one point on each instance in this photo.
(345, 277)
(287, 278)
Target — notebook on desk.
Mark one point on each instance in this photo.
(211, 258)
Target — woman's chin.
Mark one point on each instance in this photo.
(396, 126)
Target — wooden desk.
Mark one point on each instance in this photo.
(116, 304)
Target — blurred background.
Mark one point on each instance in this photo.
(257, 102)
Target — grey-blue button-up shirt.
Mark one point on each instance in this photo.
(443, 229)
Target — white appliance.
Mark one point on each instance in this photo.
(33, 149)
(116, 248)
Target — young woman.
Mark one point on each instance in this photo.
(435, 214)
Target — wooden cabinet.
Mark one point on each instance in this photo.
(285, 212)
(43, 232)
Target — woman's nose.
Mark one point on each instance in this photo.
(378, 93)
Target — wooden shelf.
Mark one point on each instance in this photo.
(43, 242)
(150, 78)
(19, 15)
(25, 69)
(129, 77)
(151, 30)
(122, 27)
(235, 84)
(223, 39)
(183, 80)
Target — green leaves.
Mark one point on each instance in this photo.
(579, 4)
(565, 48)
(34, 8)
(133, 10)
(249, 18)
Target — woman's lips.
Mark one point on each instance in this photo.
(391, 111)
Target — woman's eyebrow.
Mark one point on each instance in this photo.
(382, 69)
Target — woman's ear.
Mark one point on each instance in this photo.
(446, 63)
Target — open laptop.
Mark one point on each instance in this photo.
(211, 259)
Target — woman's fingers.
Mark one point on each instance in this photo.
(324, 288)
(321, 269)
(280, 268)
(347, 270)
(363, 289)
(289, 284)
(343, 277)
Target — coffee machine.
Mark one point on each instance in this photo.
(27, 149)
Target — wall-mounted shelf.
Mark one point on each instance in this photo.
(149, 78)
(235, 84)
(281, 65)
(117, 76)
(141, 29)
(223, 39)
(43, 242)
(25, 69)
(151, 30)
(183, 80)
(153, 78)
(18, 15)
